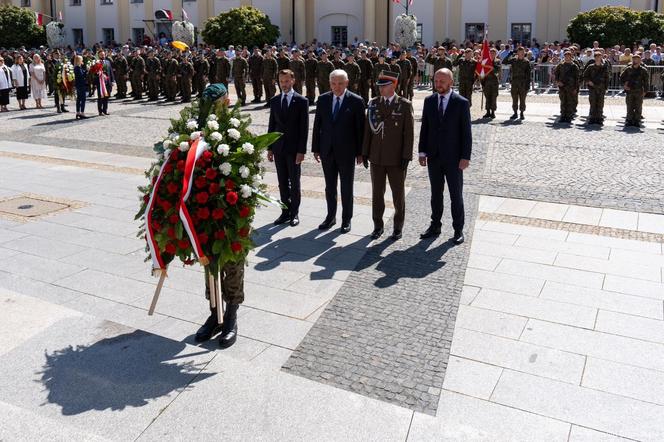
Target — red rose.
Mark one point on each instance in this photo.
(217, 213)
(183, 244)
(214, 188)
(168, 168)
(231, 198)
(175, 154)
(220, 234)
(172, 188)
(180, 165)
(200, 163)
(194, 218)
(230, 185)
(156, 225)
(166, 205)
(202, 197)
(203, 238)
(207, 155)
(244, 211)
(203, 213)
(171, 232)
(210, 174)
(170, 248)
(236, 247)
(173, 219)
(200, 182)
(244, 232)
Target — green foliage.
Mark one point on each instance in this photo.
(240, 26)
(611, 25)
(18, 28)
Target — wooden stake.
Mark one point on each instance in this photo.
(211, 287)
(220, 303)
(160, 284)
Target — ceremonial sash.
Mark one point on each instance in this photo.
(197, 148)
(102, 83)
(157, 261)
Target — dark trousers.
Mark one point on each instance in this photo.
(58, 104)
(81, 96)
(397, 178)
(257, 86)
(288, 174)
(344, 171)
(102, 105)
(438, 174)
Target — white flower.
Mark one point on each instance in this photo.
(195, 136)
(225, 168)
(244, 171)
(234, 122)
(184, 146)
(212, 117)
(256, 180)
(245, 191)
(233, 133)
(174, 136)
(223, 149)
(213, 125)
(215, 136)
(248, 148)
(167, 144)
(192, 124)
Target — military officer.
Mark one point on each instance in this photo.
(378, 67)
(186, 74)
(439, 59)
(466, 65)
(596, 76)
(310, 66)
(406, 74)
(121, 69)
(153, 68)
(354, 73)
(270, 70)
(222, 68)
(388, 147)
(366, 72)
(490, 84)
(635, 80)
(566, 75)
(240, 71)
(298, 67)
(323, 70)
(520, 81)
(202, 69)
(137, 72)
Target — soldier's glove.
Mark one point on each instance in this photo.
(404, 164)
(365, 162)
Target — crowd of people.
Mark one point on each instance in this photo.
(163, 72)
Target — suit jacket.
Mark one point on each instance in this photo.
(450, 137)
(340, 137)
(293, 124)
(394, 141)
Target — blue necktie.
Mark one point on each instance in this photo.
(335, 111)
(441, 108)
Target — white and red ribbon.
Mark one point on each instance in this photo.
(157, 261)
(195, 151)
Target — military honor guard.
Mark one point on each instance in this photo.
(520, 82)
(388, 148)
(596, 75)
(635, 80)
(566, 75)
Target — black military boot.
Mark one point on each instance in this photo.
(522, 117)
(493, 114)
(487, 115)
(514, 116)
(209, 329)
(229, 331)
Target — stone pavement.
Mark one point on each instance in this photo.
(551, 315)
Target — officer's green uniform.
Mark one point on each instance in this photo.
(636, 78)
(120, 72)
(411, 83)
(186, 71)
(404, 78)
(270, 70)
(599, 76)
(354, 74)
(256, 74)
(283, 62)
(240, 71)
(490, 86)
(323, 71)
(310, 66)
(466, 69)
(297, 66)
(438, 62)
(337, 63)
(137, 73)
(170, 74)
(394, 67)
(520, 82)
(153, 67)
(567, 73)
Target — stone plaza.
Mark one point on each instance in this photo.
(547, 324)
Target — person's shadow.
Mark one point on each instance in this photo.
(126, 370)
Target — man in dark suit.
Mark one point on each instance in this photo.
(109, 79)
(445, 147)
(289, 114)
(337, 141)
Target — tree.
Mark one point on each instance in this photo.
(245, 26)
(611, 25)
(18, 28)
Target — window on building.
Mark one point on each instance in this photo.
(521, 33)
(475, 32)
(136, 1)
(339, 35)
(108, 35)
(189, 0)
(74, 2)
(419, 32)
(106, 2)
(78, 36)
(25, 3)
(137, 35)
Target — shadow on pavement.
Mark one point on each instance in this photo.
(126, 370)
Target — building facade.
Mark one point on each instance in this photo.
(332, 21)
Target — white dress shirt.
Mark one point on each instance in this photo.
(341, 101)
(289, 96)
(446, 100)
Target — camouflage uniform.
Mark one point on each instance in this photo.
(201, 69)
(120, 71)
(490, 86)
(599, 76)
(520, 82)
(636, 78)
(354, 74)
(270, 70)
(240, 71)
(137, 73)
(153, 67)
(256, 72)
(466, 77)
(405, 77)
(222, 70)
(297, 66)
(170, 74)
(376, 70)
(411, 83)
(186, 71)
(567, 73)
(232, 283)
(310, 66)
(366, 70)
(323, 70)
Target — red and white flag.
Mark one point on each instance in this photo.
(485, 64)
(184, 15)
(150, 231)
(163, 14)
(39, 19)
(410, 2)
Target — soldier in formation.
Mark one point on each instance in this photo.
(520, 82)
(634, 79)
(596, 76)
(566, 75)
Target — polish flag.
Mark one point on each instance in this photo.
(410, 2)
(39, 19)
(163, 14)
(485, 64)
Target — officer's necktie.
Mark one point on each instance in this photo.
(284, 103)
(337, 105)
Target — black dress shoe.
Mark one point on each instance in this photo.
(458, 238)
(522, 117)
(487, 115)
(345, 227)
(283, 218)
(229, 330)
(327, 224)
(430, 232)
(396, 235)
(377, 233)
(294, 221)
(514, 116)
(209, 329)
(228, 338)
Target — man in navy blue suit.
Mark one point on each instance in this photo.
(445, 147)
(289, 114)
(337, 142)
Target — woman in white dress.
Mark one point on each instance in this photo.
(5, 85)
(38, 80)
(21, 81)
